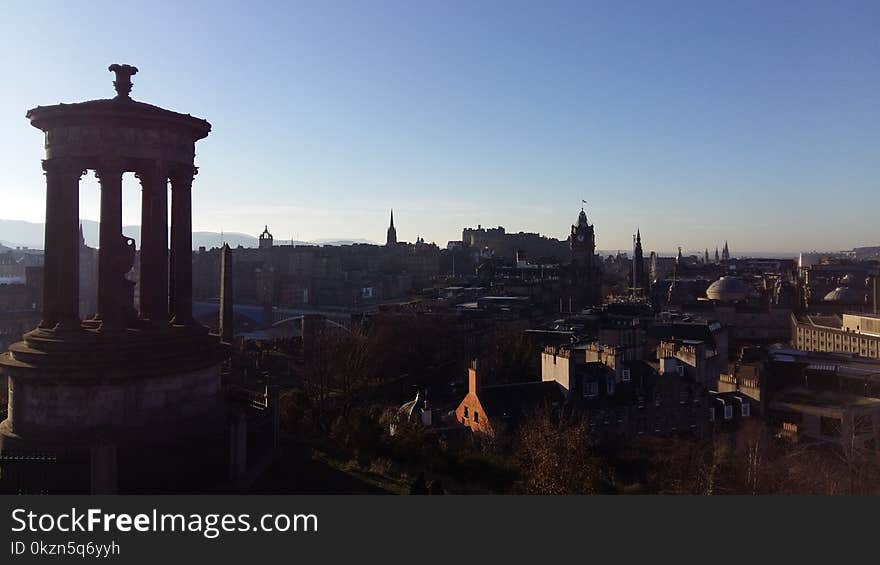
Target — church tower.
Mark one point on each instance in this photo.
(266, 239)
(725, 253)
(391, 237)
(585, 288)
(640, 281)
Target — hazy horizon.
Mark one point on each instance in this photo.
(206, 238)
(696, 123)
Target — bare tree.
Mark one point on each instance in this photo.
(556, 456)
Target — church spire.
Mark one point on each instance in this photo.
(391, 237)
(640, 281)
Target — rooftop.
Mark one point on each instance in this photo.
(821, 402)
(822, 321)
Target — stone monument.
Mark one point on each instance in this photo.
(134, 392)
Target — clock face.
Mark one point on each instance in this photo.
(581, 237)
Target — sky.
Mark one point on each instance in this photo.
(696, 122)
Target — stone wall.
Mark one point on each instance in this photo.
(110, 404)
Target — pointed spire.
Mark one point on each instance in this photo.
(638, 235)
(391, 237)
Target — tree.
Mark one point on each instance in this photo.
(556, 456)
(337, 368)
(680, 465)
(507, 355)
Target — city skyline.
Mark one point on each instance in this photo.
(30, 234)
(692, 129)
(433, 248)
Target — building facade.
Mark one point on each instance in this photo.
(855, 333)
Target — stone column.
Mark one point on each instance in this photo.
(238, 447)
(104, 469)
(110, 300)
(154, 243)
(227, 317)
(61, 246)
(181, 243)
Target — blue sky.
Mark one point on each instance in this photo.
(754, 122)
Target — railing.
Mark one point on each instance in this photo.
(248, 397)
(37, 457)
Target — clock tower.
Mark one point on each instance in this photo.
(583, 240)
(584, 286)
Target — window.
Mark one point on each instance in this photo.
(625, 376)
(476, 416)
(728, 411)
(658, 400)
(746, 410)
(829, 426)
(711, 413)
(680, 369)
(465, 411)
(591, 388)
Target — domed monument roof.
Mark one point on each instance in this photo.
(727, 289)
(844, 295)
(119, 127)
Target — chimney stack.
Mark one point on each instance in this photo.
(474, 380)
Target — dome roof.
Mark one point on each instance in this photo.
(411, 409)
(727, 289)
(844, 295)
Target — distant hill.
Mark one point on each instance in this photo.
(339, 241)
(18, 233)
